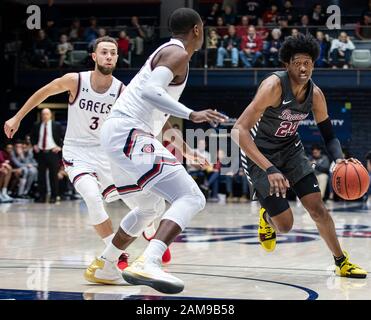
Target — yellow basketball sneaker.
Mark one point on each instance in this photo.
(349, 270)
(103, 271)
(266, 233)
(147, 271)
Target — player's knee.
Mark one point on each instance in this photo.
(319, 213)
(197, 200)
(92, 199)
(136, 221)
(94, 203)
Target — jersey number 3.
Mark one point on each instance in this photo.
(287, 128)
(95, 123)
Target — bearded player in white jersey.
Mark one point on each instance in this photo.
(91, 96)
(141, 166)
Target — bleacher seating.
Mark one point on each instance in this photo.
(361, 58)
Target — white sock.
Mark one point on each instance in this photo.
(112, 253)
(155, 249)
(4, 191)
(107, 240)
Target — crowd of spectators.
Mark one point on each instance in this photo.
(26, 164)
(19, 174)
(250, 34)
(246, 34)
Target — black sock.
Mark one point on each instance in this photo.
(339, 260)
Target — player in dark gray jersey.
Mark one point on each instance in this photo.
(273, 155)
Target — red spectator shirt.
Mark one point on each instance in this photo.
(255, 44)
(123, 45)
(270, 17)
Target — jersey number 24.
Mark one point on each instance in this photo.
(287, 128)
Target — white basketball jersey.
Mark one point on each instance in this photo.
(88, 111)
(143, 114)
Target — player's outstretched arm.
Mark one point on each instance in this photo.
(323, 121)
(268, 94)
(68, 82)
(171, 64)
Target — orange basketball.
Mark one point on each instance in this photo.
(350, 180)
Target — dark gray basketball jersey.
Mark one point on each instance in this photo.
(277, 128)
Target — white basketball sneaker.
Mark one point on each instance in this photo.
(148, 272)
(103, 271)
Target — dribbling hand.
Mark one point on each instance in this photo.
(278, 183)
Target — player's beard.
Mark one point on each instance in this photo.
(105, 70)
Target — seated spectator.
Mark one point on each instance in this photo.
(341, 48)
(290, 12)
(123, 44)
(261, 31)
(212, 181)
(230, 180)
(212, 43)
(321, 165)
(5, 176)
(252, 9)
(213, 14)
(229, 47)
(91, 32)
(317, 17)
(63, 48)
(273, 47)
(137, 34)
(241, 29)
(363, 28)
(76, 32)
(251, 49)
(294, 32)
(41, 50)
(324, 45)
(5, 160)
(25, 169)
(229, 16)
(221, 28)
(304, 25)
(270, 16)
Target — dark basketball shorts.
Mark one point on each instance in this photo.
(294, 165)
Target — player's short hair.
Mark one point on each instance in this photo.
(104, 39)
(183, 20)
(305, 44)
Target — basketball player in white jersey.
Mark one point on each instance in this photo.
(141, 166)
(91, 96)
